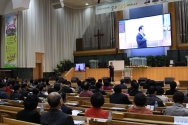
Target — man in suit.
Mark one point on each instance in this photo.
(29, 114)
(55, 116)
(141, 38)
(16, 95)
(64, 108)
(3, 94)
(111, 67)
(118, 97)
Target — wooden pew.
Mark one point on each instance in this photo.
(10, 121)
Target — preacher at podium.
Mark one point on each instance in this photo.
(111, 67)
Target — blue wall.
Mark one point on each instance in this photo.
(146, 12)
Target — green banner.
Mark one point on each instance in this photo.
(11, 41)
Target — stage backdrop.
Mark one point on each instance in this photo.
(10, 56)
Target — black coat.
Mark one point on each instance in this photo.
(66, 109)
(56, 117)
(119, 98)
(66, 89)
(170, 92)
(16, 96)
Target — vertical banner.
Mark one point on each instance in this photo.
(11, 41)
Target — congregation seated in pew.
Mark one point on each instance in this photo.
(151, 99)
(92, 86)
(16, 95)
(135, 89)
(55, 116)
(85, 92)
(24, 91)
(3, 94)
(177, 108)
(139, 107)
(98, 89)
(64, 108)
(97, 100)
(160, 92)
(118, 97)
(29, 114)
(122, 84)
(41, 94)
(172, 90)
(67, 88)
(37, 93)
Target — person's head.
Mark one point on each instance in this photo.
(85, 86)
(133, 81)
(117, 89)
(152, 90)
(36, 82)
(79, 83)
(54, 100)
(97, 100)
(100, 80)
(36, 91)
(57, 87)
(135, 85)
(31, 102)
(111, 63)
(39, 80)
(141, 29)
(31, 81)
(98, 85)
(160, 90)
(64, 97)
(40, 87)
(3, 86)
(17, 88)
(68, 83)
(178, 97)
(106, 83)
(93, 83)
(50, 90)
(24, 86)
(173, 85)
(140, 100)
(122, 81)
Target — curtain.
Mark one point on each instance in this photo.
(182, 20)
(52, 32)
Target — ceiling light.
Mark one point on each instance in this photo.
(87, 4)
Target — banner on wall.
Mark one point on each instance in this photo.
(119, 5)
(10, 56)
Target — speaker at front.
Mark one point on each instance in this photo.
(74, 79)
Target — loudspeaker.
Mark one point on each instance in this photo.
(142, 79)
(127, 80)
(74, 79)
(168, 80)
(57, 4)
(79, 44)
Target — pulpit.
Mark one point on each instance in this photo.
(187, 59)
(93, 64)
(127, 72)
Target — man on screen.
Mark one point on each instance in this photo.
(141, 38)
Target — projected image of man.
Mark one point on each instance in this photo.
(141, 38)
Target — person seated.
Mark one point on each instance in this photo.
(57, 81)
(152, 98)
(92, 86)
(177, 108)
(43, 82)
(50, 90)
(31, 83)
(118, 97)
(139, 107)
(3, 94)
(29, 114)
(41, 94)
(8, 87)
(172, 89)
(122, 84)
(107, 86)
(37, 93)
(160, 92)
(16, 95)
(24, 91)
(57, 87)
(85, 92)
(100, 80)
(55, 116)
(135, 90)
(35, 83)
(79, 88)
(131, 88)
(109, 80)
(97, 100)
(66, 88)
(47, 82)
(98, 89)
(64, 108)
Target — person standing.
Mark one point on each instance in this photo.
(111, 67)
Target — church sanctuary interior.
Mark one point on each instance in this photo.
(94, 62)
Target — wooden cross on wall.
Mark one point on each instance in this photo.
(99, 40)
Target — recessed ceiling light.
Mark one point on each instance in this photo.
(87, 4)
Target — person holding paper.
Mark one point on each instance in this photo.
(177, 109)
(111, 67)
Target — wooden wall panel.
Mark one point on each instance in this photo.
(38, 70)
(69, 74)
(97, 73)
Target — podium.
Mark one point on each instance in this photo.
(127, 72)
(93, 64)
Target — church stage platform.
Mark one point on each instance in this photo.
(154, 73)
